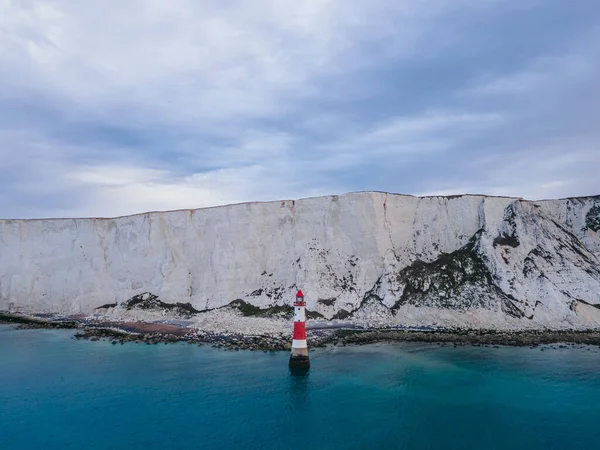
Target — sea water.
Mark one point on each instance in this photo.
(60, 393)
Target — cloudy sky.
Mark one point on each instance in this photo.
(121, 106)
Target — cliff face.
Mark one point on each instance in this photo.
(399, 259)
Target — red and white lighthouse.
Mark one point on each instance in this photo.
(299, 357)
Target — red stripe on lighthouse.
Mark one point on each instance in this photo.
(299, 331)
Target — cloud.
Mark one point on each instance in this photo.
(112, 108)
(401, 140)
(118, 190)
(187, 61)
(551, 171)
(572, 66)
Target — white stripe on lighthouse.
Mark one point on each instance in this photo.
(299, 314)
(297, 343)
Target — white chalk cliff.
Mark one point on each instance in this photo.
(392, 259)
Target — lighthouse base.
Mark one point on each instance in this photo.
(299, 362)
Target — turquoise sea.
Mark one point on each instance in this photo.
(60, 393)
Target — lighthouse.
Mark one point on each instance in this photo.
(299, 357)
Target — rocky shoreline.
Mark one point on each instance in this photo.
(226, 341)
(153, 334)
(456, 337)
